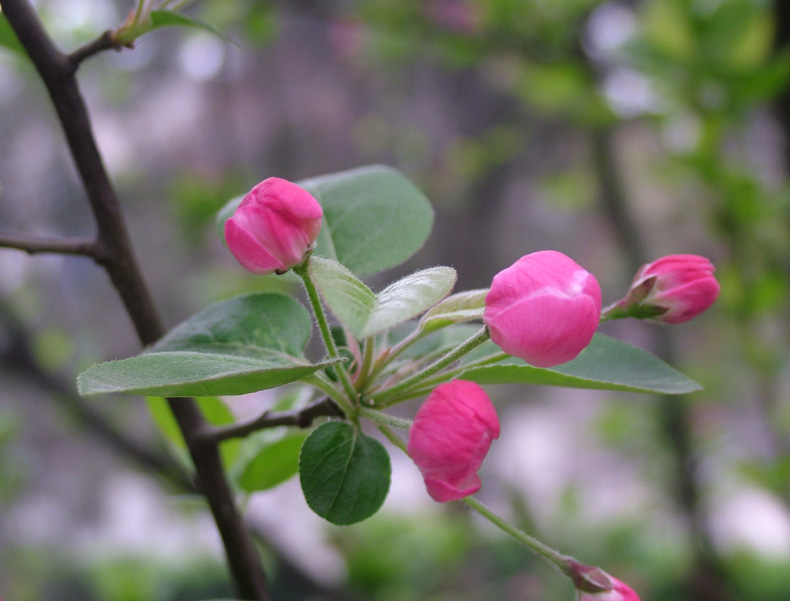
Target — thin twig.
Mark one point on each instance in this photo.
(105, 41)
(41, 244)
(301, 418)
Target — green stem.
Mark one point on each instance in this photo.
(387, 357)
(384, 419)
(364, 372)
(449, 375)
(322, 382)
(558, 559)
(323, 325)
(390, 395)
(392, 437)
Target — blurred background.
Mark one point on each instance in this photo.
(613, 131)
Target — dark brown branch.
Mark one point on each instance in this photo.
(104, 42)
(301, 418)
(116, 255)
(40, 244)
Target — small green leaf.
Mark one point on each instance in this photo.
(345, 475)
(166, 18)
(606, 364)
(366, 314)
(374, 218)
(409, 297)
(276, 459)
(350, 300)
(183, 373)
(463, 306)
(8, 37)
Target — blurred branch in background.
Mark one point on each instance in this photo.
(18, 357)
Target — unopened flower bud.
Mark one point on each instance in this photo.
(544, 308)
(450, 437)
(672, 289)
(274, 227)
(593, 584)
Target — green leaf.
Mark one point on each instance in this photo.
(408, 297)
(350, 300)
(366, 314)
(463, 306)
(166, 18)
(8, 37)
(374, 218)
(345, 475)
(184, 373)
(243, 326)
(606, 364)
(237, 346)
(276, 459)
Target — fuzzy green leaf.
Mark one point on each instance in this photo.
(409, 297)
(351, 301)
(463, 306)
(367, 314)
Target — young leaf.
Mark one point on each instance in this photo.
(345, 475)
(409, 297)
(183, 373)
(350, 300)
(167, 18)
(366, 314)
(276, 460)
(463, 306)
(606, 364)
(374, 218)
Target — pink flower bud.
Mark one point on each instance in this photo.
(544, 308)
(620, 591)
(672, 289)
(593, 584)
(450, 437)
(276, 223)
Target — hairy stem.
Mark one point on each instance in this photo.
(329, 342)
(392, 395)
